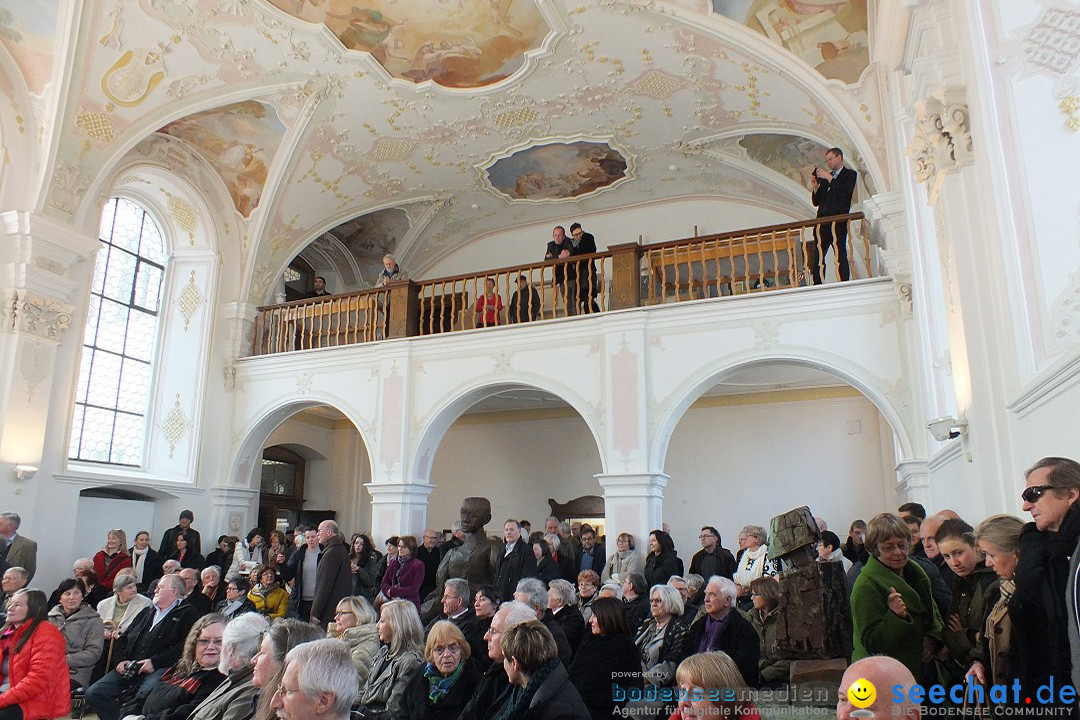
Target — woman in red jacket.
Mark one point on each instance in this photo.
(404, 574)
(35, 654)
(112, 558)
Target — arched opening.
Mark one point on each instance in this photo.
(518, 447)
(325, 446)
(765, 437)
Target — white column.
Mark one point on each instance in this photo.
(398, 509)
(233, 510)
(633, 503)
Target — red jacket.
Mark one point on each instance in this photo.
(38, 673)
(106, 570)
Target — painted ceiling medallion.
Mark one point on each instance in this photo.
(455, 44)
(554, 171)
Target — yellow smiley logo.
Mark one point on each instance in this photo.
(862, 693)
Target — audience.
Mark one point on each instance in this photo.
(556, 650)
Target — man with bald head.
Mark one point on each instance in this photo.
(927, 531)
(883, 673)
(333, 576)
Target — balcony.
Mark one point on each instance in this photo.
(757, 260)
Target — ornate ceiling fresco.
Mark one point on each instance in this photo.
(28, 33)
(455, 43)
(557, 171)
(467, 116)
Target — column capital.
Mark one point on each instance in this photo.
(394, 492)
(632, 484)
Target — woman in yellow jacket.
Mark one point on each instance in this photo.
(269, 598)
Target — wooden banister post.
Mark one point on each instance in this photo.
(404, 309)
(625, 276)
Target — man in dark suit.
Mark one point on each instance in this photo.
(155, 642)
(168, 540)
(428, 553)
(712, 559)
(723, 628)
(583, 243)
(192, 592)
(16, 550)
(333, 578)
(832, 193)
(457, 609)
(516, 560)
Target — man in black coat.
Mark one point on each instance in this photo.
(428, 553)
(457, 609)
(723, 628)
(562, 610)
(333, 580)
(832, 193)
(712, 559)
(583, 243)
(592, 553)
(155, 642)
(302, 593)
(168, 540)
(516, 561)
(635, 601)
(532, 592)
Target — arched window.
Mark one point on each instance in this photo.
(109, 422)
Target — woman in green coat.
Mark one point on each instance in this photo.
(891, 604)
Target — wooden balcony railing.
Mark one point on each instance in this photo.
(627, 275)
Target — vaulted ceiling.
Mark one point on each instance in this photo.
(358, 127)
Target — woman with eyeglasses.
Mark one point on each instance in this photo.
(269, 598)
(1040, 608)
(268, 663)
(661, 643)
(82, 628)
(445, 682)
(236, 598)
(624, 561)
(191, 680)
(33, 652)
(892, 607)
(402, 638)
(356, 624)
(404, 574)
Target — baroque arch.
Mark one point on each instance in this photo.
(860, 378)
(461, 398)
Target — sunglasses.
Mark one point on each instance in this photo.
(1033, 493)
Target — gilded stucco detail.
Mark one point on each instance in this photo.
(175, 426)
(190, 300)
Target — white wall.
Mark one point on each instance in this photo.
(730, 464)
(655, 222)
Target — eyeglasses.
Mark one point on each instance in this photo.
(1033, 493)
(344, 612)
(444, 649)
(656, 601)
(702, 536)
(204, 642)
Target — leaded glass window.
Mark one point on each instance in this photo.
(113, 389)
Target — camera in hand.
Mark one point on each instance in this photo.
(131, 672)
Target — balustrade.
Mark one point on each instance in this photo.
(627, 275)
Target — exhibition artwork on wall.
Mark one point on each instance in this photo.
(830, 35)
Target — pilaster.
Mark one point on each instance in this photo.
(633, 503)
(398, 508)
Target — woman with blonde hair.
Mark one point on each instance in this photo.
(112, 558)
(442, 686)
(710, 685)
(268, 664)
(998, 537)
(402, 638)
(355, 623)
(624, 561)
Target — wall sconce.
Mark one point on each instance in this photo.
(25, 472)
(947, 428)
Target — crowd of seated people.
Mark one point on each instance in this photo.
(551, 639)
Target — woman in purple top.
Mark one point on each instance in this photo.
(404, 574)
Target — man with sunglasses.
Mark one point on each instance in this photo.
(1039, 609)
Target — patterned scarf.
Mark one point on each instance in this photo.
(439, 686)
(521, 697)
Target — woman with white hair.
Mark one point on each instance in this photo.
(662, 640)
(402, 637)
(118, 611)
(753, 563)
(231, 700)
(562, 602)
